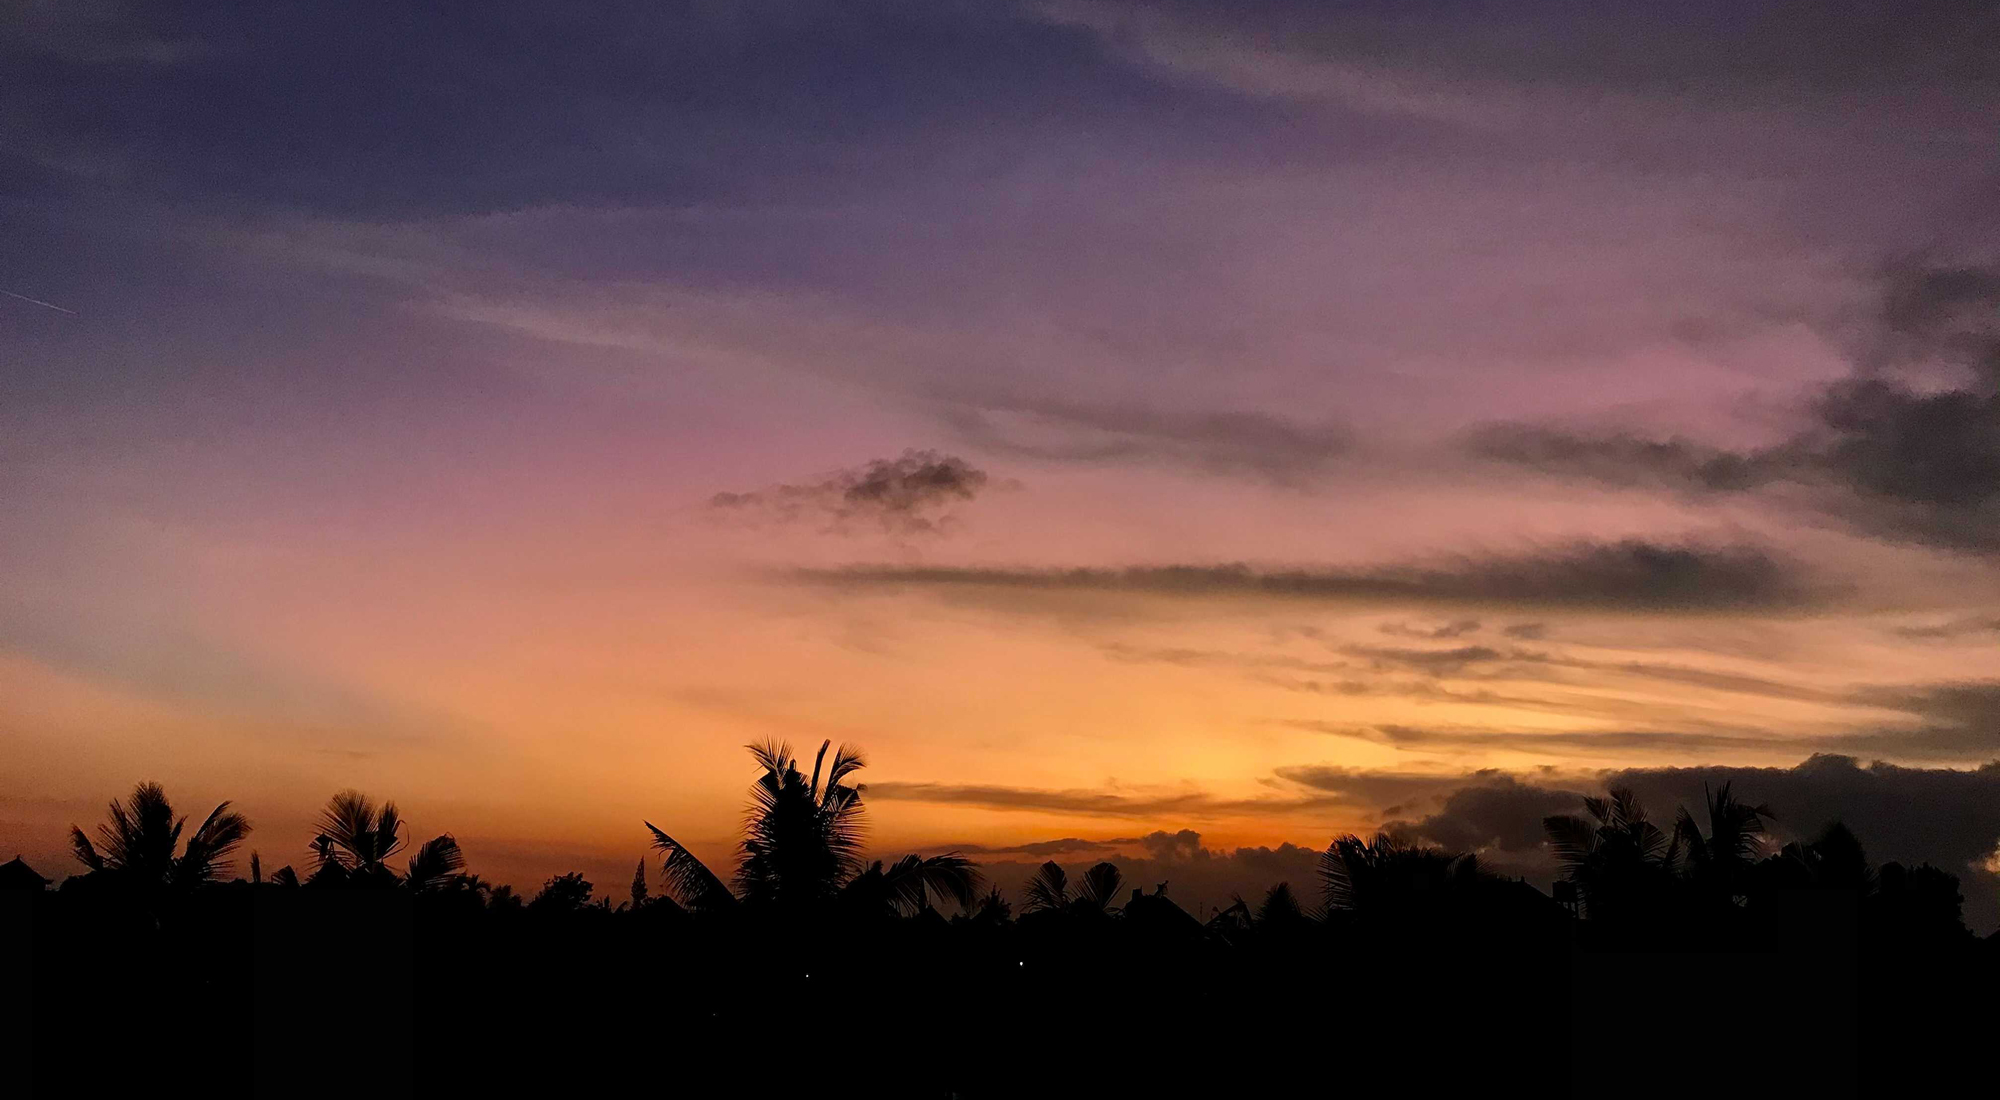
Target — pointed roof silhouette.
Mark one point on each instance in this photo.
(15, 874)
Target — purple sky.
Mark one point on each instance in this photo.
(1318, 416)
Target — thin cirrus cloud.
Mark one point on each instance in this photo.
(1550, 667)
(1632, 575)
(1954, 744)
(1297, 788)
(1251, 445)
(910, 495)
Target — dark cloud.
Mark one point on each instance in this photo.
(1962, 702)
(1947, 817)
(1633, 575)
(1183, 844)
(1621, 459)
(1502, 814)
(909, 495)
(1527, 632)
(1890, 455)
(1961, 722)
(1954, 628)
(1242, 444)
(1438, 632)
(1498, 814)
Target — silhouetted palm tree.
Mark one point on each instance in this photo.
(687, 879)
(802, 843)
(438, 863)
(906, 885)
(801, 839)
(1048, 890)
(1719, 862)
(141, 843)
(1280, 909)
(357, 838)
(1834, 860)
(1096, 891)
(992, 909)
(1619, 860)
(1386, 875)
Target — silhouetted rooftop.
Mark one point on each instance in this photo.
(15, 874)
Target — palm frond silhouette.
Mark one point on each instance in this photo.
(801, 848)
(1385, 874)
(1096, 890)
(357, 838)
(1617, 858)
(141, 842)
(1719, 860)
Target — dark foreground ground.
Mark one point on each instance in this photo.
(258, 992)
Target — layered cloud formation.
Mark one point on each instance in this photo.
(1422, 414)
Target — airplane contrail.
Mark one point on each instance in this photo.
(39, 302)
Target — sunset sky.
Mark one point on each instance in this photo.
(1167, 431)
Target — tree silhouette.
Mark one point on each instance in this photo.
(1719, 861)
(357, 838)
(639, 885)
(1620, 862)
(992, 909)
(1385, 875)
(801, 847)
(1096, 891)
(1048, 890)
(141, 842)
(1280, 909)
(801, 839)
(906, 886)
(1834, 860)
(438, 863)
(562, 894)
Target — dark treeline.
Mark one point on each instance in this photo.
(1672, 955)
